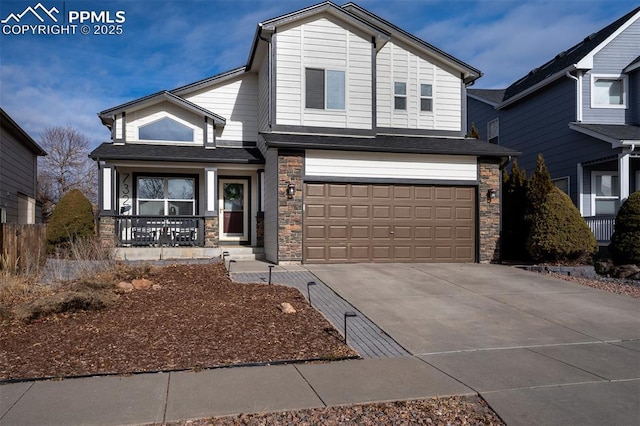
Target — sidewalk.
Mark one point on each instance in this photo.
(166, 397)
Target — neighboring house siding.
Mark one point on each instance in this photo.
(480, 113)
(612, 59)
(237, 102)
(540, 125)
(327, 45)
(271, 205)
(634, 83)
(18, 166)
(396, 63)
(136, 119)
(392, 166)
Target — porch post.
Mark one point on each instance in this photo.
(623, 175)
(211, 237)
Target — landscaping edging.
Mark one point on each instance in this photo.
(585, 271)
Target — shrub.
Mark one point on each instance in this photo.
(72, 219)
(625, 242)
(538, 186)
(515, 228)
(559, 233)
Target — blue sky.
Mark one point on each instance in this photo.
(51, 80)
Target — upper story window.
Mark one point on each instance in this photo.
(608, 91)
(493, 131)
(400, 95)
(426, 97)
(325, 89)
(165, 129)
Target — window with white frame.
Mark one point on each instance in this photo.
(325, 89)
(493, 131)
(562, 184)
(165, 129)
(400, 96)
(609, 91)
(165, 196)
(426, 97)
(605, 191)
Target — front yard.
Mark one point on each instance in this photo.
(193, 318)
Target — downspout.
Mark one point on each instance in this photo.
(578, 80)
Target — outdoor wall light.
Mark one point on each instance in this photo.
(492, 194)
(291, 190)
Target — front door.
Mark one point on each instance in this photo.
(234, 210)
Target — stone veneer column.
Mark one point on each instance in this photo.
(290, 210)
(211, 231)
(107, 231)
(489, 219)
(260, 229)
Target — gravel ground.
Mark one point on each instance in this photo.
(456, 410)
(612, 285)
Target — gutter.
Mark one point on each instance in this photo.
(536, 87)
(578, 80)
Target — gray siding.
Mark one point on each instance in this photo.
(271, 205)
(480, 114)
(540, 124)
(634, 89)
(612, 59)
(18, 167)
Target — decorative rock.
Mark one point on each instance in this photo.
(141, 284)
(156, 287)
(123, 285)
(287, 308)
(625, 271)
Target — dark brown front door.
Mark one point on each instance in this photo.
(388, 223)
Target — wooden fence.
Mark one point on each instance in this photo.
(23, 247)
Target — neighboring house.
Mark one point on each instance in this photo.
(581, 110)
(341, 140)
(18, 173)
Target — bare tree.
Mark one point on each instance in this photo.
(67, 166)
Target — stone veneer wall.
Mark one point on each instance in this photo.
(290, 210)
(107, 231)
(489, 215)
(211, 231)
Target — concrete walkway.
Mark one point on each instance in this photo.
(539, 350)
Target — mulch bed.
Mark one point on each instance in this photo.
(456, 410)
(197, 319)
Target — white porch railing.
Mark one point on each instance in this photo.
(602, 227)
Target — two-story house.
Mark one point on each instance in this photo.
(18, 173)
(341, 140)
(581, 110)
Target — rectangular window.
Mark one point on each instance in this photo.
(606, 192)
(562, 184)
(325, 89)
(609, 91)
(426, 97)
(400, 95)
(166, 196)
(493, 131)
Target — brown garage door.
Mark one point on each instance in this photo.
(388, 223)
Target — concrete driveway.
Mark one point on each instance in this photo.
(538, 349)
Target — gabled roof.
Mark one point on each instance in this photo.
(576, 57)
(156, 98)
(470, 72)
(616, 134)
(389, 143)
(27, 140)
(180, 153)
(490, 96)
(634, 65)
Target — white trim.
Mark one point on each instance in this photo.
(594, 174)
(210, 185)
(624, 178)
(580, 174)
(107, 188)
(625, 90)
(587, 60)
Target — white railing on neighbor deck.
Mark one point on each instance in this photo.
(602, 227)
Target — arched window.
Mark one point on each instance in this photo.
(165, 129)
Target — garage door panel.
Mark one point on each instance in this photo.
(386, 223)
